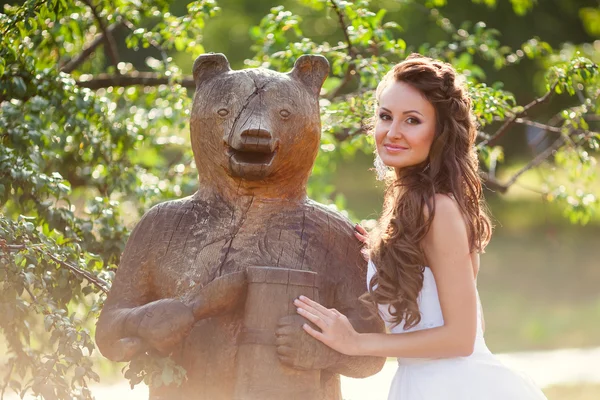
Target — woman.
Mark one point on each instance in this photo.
(424, 256)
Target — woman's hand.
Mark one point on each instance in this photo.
(363, 236)
(336, 331)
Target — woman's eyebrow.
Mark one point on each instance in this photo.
(413, 111)
(404, 112)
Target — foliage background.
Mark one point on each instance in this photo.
(84, 152)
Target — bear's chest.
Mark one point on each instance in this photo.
(201, 243)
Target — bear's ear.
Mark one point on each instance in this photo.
(208, 66)
(312, 71)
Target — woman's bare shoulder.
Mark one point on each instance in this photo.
(447, 226)
(448, 231)
(444, 204)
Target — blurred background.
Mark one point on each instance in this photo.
(540, 276)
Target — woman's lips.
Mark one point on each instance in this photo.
(391, 148)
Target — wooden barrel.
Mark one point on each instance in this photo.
(259, 373)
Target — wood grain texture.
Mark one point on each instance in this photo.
(187, 284)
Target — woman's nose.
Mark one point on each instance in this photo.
(395, 132)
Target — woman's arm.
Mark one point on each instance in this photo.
(446, 247)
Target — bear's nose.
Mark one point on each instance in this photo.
(257, 133)
(259, 139)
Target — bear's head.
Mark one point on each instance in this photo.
(256, 131)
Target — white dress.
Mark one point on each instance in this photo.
(479, 376)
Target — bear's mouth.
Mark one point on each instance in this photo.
(256, 156)
(252, 157)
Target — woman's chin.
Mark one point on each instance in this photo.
(395, 162)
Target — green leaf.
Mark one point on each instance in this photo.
(20, 86)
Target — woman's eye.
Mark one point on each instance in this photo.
(412, 121)
(384, 117)
(223, 112)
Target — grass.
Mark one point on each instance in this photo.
(539, 289)
(573, 392)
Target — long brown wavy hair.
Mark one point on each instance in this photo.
(451, 169)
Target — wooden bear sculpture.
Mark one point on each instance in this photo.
(210, 278)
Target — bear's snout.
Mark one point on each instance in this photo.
(251, 154)
(259, 139)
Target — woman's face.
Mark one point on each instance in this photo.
(405, 126)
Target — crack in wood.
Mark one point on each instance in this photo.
(252, 95)
(302, 239)
(175, 231)
(236, 230)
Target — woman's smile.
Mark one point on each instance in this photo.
(395, 148)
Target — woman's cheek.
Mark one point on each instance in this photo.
(379, 135)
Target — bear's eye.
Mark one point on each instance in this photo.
(223, 112)
(284, 113)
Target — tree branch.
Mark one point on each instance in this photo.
(111, 46)
(540, 158)
(494, 184)
(555, 129)
(352, 52)
(546, 127)
(99, 283)
(134, 79)
(72, 64)
(15, 247)
(32, 298)
(502, 130)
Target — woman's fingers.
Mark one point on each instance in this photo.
(361, 234)
(314, 333)
(318, 307)
(336, 312)
(313, 318)
(365, 254)
(360, 237)
(320, 312)
(360, 230)
(335, 331)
